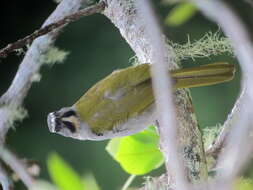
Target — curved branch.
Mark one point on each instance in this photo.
(123, 15)
(216, 147)
(161, 82)
(31, 65)
(238, 146)
(97, 8)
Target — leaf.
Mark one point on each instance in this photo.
(113, 146)
(62, 174)
(137, 154)
(243, 184)
(90, 182)
(180, 14)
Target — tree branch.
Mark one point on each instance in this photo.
(30, 66)
(156, 183)
(238, 144)
(164, 104)
(17, 166)
(5, 180)
(123, 14)
(97, 8)
(12, 100)
(219, 143)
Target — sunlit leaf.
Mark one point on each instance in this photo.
(180, 14)
(243, 184)
(137, 154)
(113, 146)
(62, 174)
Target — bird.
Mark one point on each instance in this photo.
(123, 103)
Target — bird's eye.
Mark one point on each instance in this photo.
(70, 126)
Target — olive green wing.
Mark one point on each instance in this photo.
(123, 94)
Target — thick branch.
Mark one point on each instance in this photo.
(22, 82)
(31, 64)
(219, 143)
(238, 145)
(124, 16)
(97, 8)
(164, 104)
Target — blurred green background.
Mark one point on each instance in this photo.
(96, 49)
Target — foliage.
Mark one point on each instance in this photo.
(90, 182)
(243, 184)
(65, 177)
(137, 154)
(180, 14)
(62, 174)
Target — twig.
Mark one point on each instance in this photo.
(5, 180)
(17, 166)
(218, 144)
(97, 8)
(128, 182)
(31, 64)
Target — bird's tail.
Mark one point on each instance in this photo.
(204, 75)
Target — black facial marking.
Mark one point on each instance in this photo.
(69, 113)
(70, 126)
(57, 125)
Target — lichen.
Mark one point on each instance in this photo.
(210, 134)
(211, 44)
(13, 113)
(54, 55)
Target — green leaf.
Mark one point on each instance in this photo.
(90, 182)
(113, 146)
(137, 154)
(180, 14)
(243, 184)
(62, 174)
